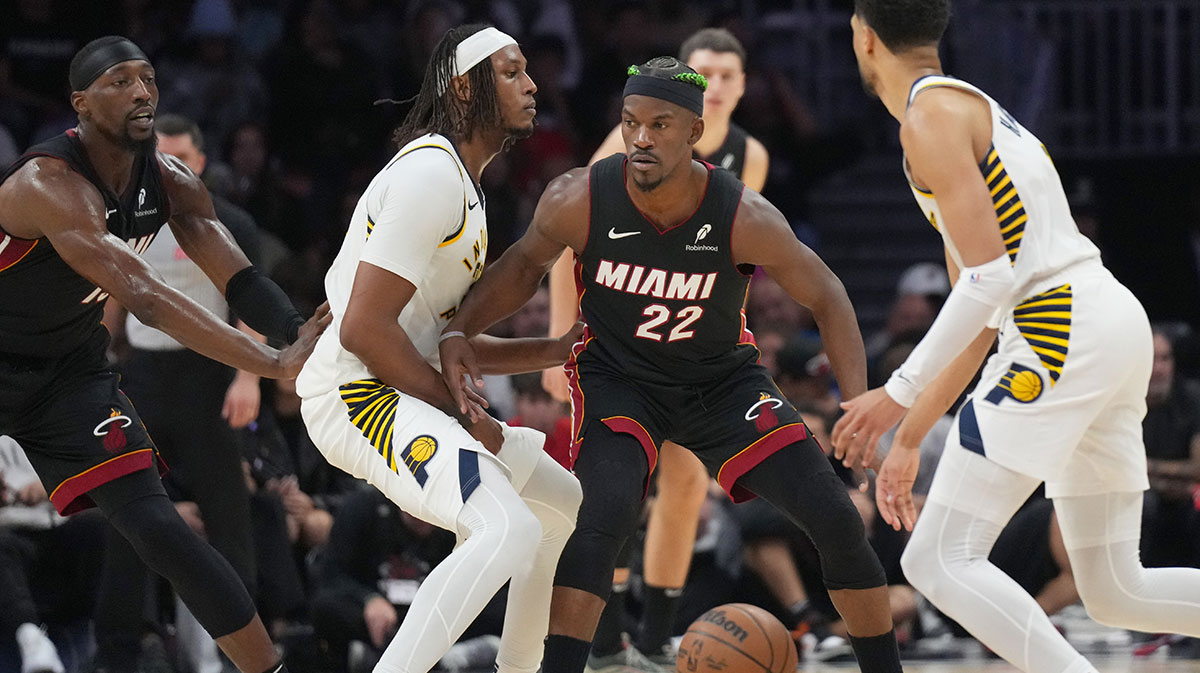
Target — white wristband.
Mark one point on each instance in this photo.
(450, 335)
(972, 304)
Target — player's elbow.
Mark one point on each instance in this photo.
(353, 335)
(147, 306)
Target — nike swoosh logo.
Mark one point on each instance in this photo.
(612, 233)
(109, 212)
(471, 206)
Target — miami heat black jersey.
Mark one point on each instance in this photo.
(731, 155)
(662, 306)
(46, 308)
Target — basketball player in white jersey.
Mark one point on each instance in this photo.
(1060, 402)
(682, 482)
(376, 406)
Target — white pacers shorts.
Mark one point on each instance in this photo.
(420, 458)
(1063, 398)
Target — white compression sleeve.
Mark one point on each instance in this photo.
(946, 559)
(553, 495)
(1101, 536)
(979, 292)
(501, 540)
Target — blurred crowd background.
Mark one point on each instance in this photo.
(285, 95)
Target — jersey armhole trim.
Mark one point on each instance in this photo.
(462, 225)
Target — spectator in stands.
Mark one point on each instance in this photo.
(920, 292)
(805, 375)
(210, 81)
(1171, 430)
(48, 571)
(769, 306)
(536, 409)
(367, 577)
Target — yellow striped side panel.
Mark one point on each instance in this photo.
(371, 406)
(1010, 212)
(1045, 322)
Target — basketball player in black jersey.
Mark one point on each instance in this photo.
(75, 212)
(665, 246)
(682, 481)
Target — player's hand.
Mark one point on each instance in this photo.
(458, 362)
(867, 418)
(489, 433)
(292, 358)
(554, 380)
(381, 619)
(32, 494)
(567, 341)
(894, 484)
(241, 400)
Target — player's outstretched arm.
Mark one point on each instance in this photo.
(761, 236)
(70, 213)
(256, 299)
(520, 355)
(560, 221)
(564, 302)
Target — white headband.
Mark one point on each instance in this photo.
(478, 47)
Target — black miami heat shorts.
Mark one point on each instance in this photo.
(74, 423)
(731, 424)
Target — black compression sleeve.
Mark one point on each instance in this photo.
(262, 305)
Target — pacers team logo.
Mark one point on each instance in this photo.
(112, 429)
(763, 412)
(1019, 383)
(417, 453)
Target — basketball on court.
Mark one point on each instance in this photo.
(736, 638)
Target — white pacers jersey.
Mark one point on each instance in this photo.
(1063, 396)
(421, 218)
(1031, 207)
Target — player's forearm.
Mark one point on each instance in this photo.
(843, 343)
(504, 287)
(935, 400)
(517, 356)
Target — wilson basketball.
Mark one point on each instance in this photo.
(736, 638)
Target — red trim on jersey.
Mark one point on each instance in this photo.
(571, 367)
(752, 455)
(627, 425)
(71, 495)
(13, 249)
(746, 336)
(707, 182)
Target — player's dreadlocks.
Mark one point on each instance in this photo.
(437, 109)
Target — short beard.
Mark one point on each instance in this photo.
(128, 142)
(647, 186)
(512, 134)
(867, 86)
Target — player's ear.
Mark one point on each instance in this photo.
(462, 87)
(79, 102)
(697, 130)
